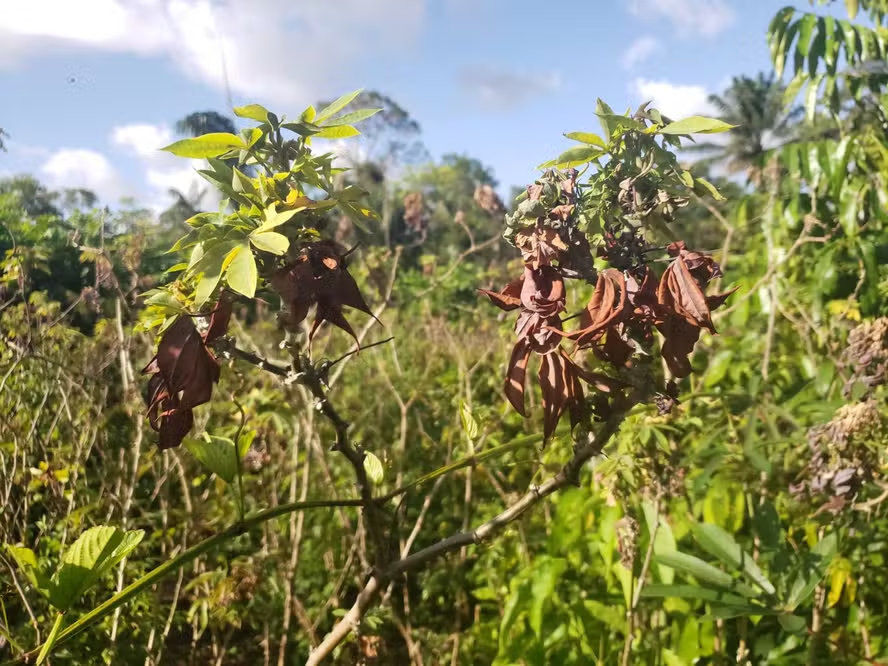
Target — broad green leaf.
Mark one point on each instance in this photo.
(309, 114)
(703, 571)
(806, 29)
(812, 96)
(518, 597)
(302, 129)
(839, 575)
(851, 6)
(810, 576)
(217, 454)
(792, 90)
(251, 136)
(603, 111)
(616, 121)
(469, 424)
(587, 137)
(817, 51)
(255, 112)
(792, 623)
(88, 559)
(625, 577)
(702, 187)
(777, 39)
(208, 145)
(672, 659)
(664, 540)
(353, 117)
(336, 106)
(244, 443)
(270, 241)
(695, 592)
(242, 275)
(26, 560)
(275, 218)
(721, 545)
(373, 468)
(337, 132)
(696, 125)
(575, 156)
(545, 577)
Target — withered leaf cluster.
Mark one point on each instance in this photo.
(319, 277)
(183, 373)
(540, 296)
(629, 302)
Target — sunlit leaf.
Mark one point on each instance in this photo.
(270, 241)
(336, 106)
(242, 275)
(252, 111)
(696, 125)
(208, 145)
(373, 468)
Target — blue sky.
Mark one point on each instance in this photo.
(92, 88)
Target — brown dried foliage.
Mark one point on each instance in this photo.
(183, 373)
(319, 277)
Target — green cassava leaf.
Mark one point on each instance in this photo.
(242, 275)
(587, 137)
(337, 132)
(255, 112)
(353, 117)
(270, 241)
(208, 145)
(336, 106)
(696, 125)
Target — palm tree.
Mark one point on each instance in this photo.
(756, 107)
(203, 122)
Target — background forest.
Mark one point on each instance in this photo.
(744, 522)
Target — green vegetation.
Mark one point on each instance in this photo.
(332, 469)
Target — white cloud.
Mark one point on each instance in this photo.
(87, 169)
(639, 51)
(691, 17)
(143, 139)
(162, 171)
(672, 99)
(276, 50)
(506, 89)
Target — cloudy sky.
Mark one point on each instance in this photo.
(92, 88)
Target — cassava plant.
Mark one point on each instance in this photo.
(605, 227)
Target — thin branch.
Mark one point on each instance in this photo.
(569, 475)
